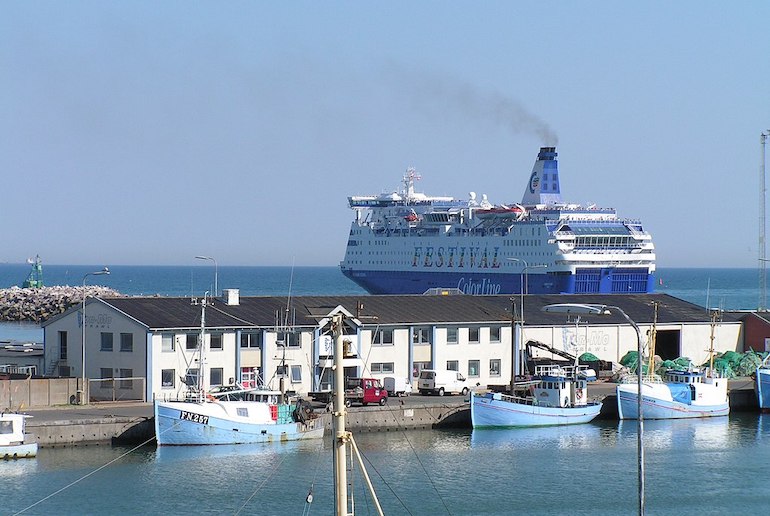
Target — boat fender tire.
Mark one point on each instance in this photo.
(303, 411)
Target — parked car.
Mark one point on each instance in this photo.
(397, 386)
(365, 391)
(434, 381)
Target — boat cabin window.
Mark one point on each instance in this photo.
(6, 427)
(242, 411)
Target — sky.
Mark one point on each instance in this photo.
(148, 133)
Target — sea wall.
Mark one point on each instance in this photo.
(38, 304)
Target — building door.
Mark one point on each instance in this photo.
(668, 345)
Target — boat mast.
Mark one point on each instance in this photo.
(714, 315)
(201, 355)
(341, 436)
(653, 335)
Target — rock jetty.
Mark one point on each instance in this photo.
(38, 304)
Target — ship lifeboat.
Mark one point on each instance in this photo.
(500, 211)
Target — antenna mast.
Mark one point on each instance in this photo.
(762, 260)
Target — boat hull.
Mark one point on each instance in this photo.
(184, 423)
(762, 387)
(488, 283)
(487, 412)
(656, 406)
(18, 451)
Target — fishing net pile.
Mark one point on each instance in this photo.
(729, 364)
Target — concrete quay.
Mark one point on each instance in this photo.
(132, 422)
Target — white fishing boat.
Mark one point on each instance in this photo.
(679, 394)
(557, 395)
(231, 416)
(762, 385)
(12, 445)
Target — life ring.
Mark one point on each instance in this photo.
(210, 397)
(579, 393)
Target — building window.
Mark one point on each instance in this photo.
(383, 338)
(421, 335)
(192, 341)
(105, 373)
(251, 340)
(249, 377)
(127, 342)
(167, 378)
(63, 345)
(288, 339)
(451, 335)
(382, 367)
(494, 334)
(296, 374)
(167, 343)
(452, 365)
(216, 375)
(126, 384)
(106, 341)
(191, 377)
(473, 335)
(473, 368)
(215, 342)
(494, 367)
(419, 366)
(65, 371)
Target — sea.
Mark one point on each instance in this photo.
(727, 289)
(710, 466)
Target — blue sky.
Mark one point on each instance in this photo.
(152, 132)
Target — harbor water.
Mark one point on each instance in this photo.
(699, 467)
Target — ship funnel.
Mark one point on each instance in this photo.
(543, 185)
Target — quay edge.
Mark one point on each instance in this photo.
(106, 425)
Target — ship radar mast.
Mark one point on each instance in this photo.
(409, 178)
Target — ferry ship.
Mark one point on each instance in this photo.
(411, 243)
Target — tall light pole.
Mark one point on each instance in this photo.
(83, 398)
(216, 272)
(573, 308)
(517, 337)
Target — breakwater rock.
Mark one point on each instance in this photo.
(38, 304)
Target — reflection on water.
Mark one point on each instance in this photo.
(581, 469)
(710, 432)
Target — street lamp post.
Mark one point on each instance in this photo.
(573, 308)
(83, 398)
(517, 337)
(216, 273)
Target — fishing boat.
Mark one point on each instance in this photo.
(556, 395)
(762, 385)
(12, 445)
(694, 392)
(231, 415)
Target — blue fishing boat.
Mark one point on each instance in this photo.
(204, 415)
(556, 395)
(762, 385)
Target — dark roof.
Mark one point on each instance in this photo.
(175, 312)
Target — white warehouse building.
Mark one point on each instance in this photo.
(145, 347)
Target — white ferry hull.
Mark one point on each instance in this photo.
(487, 412)
(209, 423)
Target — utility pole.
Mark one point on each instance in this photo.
(762, 305)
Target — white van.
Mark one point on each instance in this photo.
(397, 386)
(442, 382)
